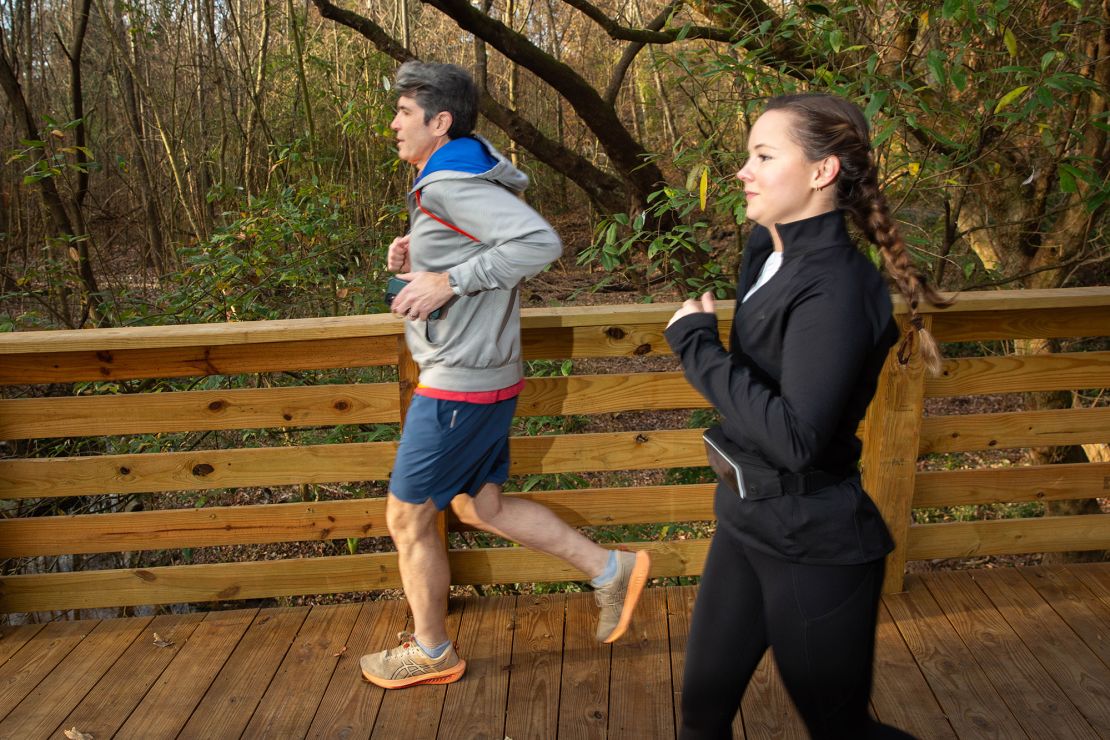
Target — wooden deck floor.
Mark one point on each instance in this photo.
(993, 653)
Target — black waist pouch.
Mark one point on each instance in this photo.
(751, 477)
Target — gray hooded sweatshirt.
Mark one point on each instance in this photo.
(475, 344)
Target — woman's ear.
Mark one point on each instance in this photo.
(826, 172)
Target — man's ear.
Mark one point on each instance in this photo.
(441, 123)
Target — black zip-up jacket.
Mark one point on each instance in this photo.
(804, 359)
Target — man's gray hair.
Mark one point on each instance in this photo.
(441, 87)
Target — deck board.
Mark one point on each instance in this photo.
(349, 705)
(37, 658)
(1076, 604)
(115, 696)
(537, 660)
(898, 676)
(584, 689)
(1066, 658)
(13, 638)
(175, 694)
(962, 687)
(640, 692)
(231, 700)
(291, 700)
(415, 712)
(1037, 702)
(69, 682)
(1001, 653)
(475, 708)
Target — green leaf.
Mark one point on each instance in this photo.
(935, 62)
(1010, 40)
(1010, 97)
(818, 9)
(836, 40)
(1067, 179)
(877, 101)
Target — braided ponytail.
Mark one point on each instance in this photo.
(829, 126)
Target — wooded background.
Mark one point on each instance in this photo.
(212, 160)
(196, 160)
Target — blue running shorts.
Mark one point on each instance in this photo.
(451, 447)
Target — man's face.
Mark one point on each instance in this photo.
(416, 140)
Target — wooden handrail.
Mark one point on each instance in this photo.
(895, 434)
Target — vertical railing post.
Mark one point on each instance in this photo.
(408, 375)
(890, 445)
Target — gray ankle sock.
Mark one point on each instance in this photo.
(433, 652)
(609, 573)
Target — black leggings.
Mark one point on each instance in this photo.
(820, 620)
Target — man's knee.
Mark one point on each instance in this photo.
(409, 522)
(478, 511)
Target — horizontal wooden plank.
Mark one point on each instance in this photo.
(1019, 373)
(181, 528)
(176, 362)
(600, 394)
(198, 583)
(197, 470)
(299, 406)
(320, 520)
(1011, 485)
(1008, 536)
(202, 335)
(261, 579)
(1014, 429)
(1043, 322)
(633, 450)
(521, 565)
(628, 340)
(187, 411)
(350, 327)
(276, 466)
(591, 507)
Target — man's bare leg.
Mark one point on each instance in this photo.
(422, 561)
(532, 525)
(623, 575)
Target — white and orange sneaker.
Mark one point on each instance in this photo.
(408, 665)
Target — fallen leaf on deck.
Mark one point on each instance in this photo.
(341, 651)
(162, 642)
(76, 734)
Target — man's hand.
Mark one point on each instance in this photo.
(693, 305)
(425, 292)
(397, 258)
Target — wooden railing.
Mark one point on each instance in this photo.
(895, 433)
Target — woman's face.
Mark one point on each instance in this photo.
(780, 183)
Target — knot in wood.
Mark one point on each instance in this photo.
(643, 349)
(202, 469)
(641, 438)
(217, 406)
(342, 405)
(615, 332)
(104, 356)
(124, 470)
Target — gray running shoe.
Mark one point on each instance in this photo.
(408, 665)
(617, 600)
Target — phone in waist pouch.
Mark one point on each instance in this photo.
(395, 286)
(723, 464)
